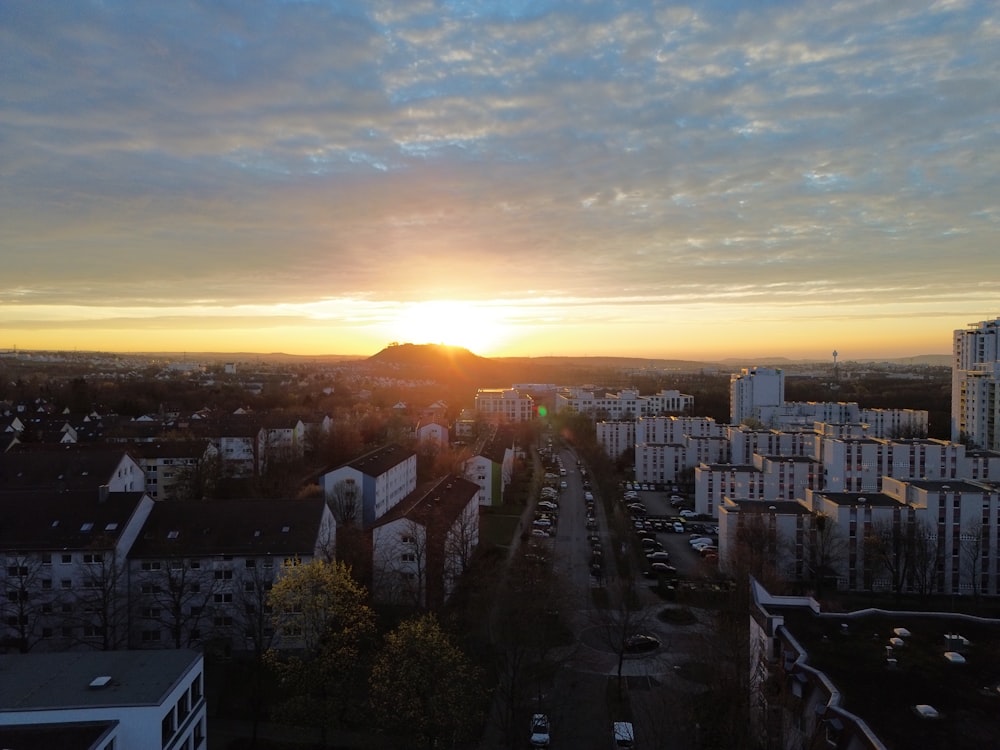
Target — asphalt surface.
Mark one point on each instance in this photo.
(577, 699)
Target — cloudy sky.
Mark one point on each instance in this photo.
(523, 177)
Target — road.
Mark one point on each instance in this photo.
(577, 700)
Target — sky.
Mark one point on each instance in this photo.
(521, 177)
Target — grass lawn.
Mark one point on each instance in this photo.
(497, 526)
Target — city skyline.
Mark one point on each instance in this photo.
(518, 178)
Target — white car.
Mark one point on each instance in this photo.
(701, 540)
(540, 736)
(688, 513)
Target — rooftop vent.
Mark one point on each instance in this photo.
(100, 682)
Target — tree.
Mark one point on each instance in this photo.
(891, 545)
(423, 688)
(175, 594)
(973, 542)
(101, 604)
(326, 631)
(824, 550)
(26, 599)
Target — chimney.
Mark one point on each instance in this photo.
(102, 493)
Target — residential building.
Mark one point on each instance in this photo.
(492, 467)
(200, 572)
(69, 468)
(381, 478)
(167, 463)
(421, 548)
(621, 405)
(64, 578)
(753, 392)
(105, 700)
(504, 405)
(616, 437)
(975, 408)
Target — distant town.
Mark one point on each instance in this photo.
(429, 548)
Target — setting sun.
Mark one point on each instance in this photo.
(466, 324)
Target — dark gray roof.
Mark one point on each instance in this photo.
(62, 680)
(380, 460)
(51, 521)
(69, 467)
(876, 499)
(75, 735)
(947, 485)
(230, 527)
(781, 507)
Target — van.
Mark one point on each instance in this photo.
(623, 736)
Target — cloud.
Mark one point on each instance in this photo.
(163, 153)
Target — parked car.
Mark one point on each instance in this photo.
(622, 735)
(660, 569)
(548, 504)
(700, 540)
(708, 549)
(688, 513)
(678, 527)
(657, 556)
(641, 642)
(540, 736)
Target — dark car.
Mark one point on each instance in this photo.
(641, 642)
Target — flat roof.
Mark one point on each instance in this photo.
(54, 681)
(854, 659)
(848, 499)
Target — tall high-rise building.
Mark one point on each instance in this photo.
(975, 377)
(754, 393)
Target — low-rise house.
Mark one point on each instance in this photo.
(105, 700)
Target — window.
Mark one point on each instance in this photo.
(408, 557)
(151, 565)
(223, 575)
(248, 586)
(67, 559)
(67, 632)
(150, 636)
(46, 583)
(196, 690)
(251, 563)
(93, 557)
(223, 598)
(167, 727)
(195, 588)
(150, 588)
(66, 583)
(46, 559)
(223, 622)
(151, 612)
(195, 564)
(88, 526)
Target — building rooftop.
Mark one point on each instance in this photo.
(50, 521)
(34, 682)
(241, 527)
(851, 650)
(847, 499)
(75, 735)
(380, 460)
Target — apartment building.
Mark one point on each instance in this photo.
(504, 405)
(975, 408)
(380, 478)
(421, 548)
(105, 700)
(616, 437)
(623, 404)
(753, 392)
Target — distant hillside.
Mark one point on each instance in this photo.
(433, 362)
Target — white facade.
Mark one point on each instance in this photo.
(716, 482)
(504, 405)
(975, 408)
(753, 391)
(148, 699)
(616, 437)
(622, 405)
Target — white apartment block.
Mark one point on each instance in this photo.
(787, 478)
(616, 437)
(660, 462)
(504, 405)
(111, 700)
(676, 429)
(975, 408)
(753, 391)
(713, 483)
(381, 478)
(624, 404)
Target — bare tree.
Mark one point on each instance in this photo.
(345, 502)
(27, 599)
(399, 573)
(926, 557)
(974, 540)
(891, 545)
(175, 594)
(825, 550)
(101, 604)
(253, 622)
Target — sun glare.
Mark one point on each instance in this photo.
(475, 327)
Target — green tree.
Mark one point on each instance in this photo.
(326, 633)
(423, 688)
